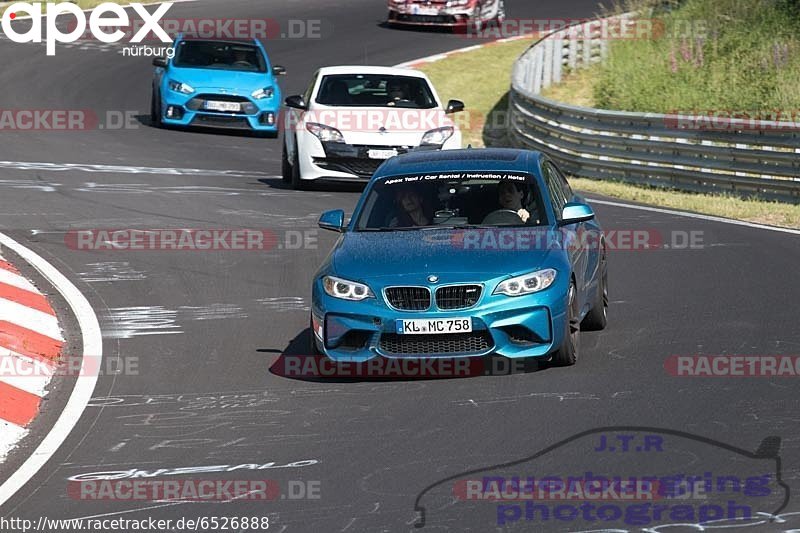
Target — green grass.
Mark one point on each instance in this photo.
(733, 55)
(758, 211)
(481, 79)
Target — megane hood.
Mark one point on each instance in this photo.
(444, 253)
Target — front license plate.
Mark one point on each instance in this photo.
(424, 10)
(434, 326)
(223, 106)
(381, 154)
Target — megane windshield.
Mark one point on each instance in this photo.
(373, 90)
(463, 199)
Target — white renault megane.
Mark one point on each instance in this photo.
(352, 118)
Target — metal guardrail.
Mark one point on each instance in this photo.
(744, 157)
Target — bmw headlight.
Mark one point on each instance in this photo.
(345, 289)
(179, 87)
(438, 136)
(527, 283)
(266, 92)
(325, 133)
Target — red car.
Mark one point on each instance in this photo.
(447, 13)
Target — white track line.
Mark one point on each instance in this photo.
(84, 386)
(697, 216)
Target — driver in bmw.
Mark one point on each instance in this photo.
(510, 195)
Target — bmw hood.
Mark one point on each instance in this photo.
(458, 255)
(202, 79)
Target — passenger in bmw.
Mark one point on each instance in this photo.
(412, 210)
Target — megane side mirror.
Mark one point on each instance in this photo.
(296, 102)
(278, 70)
(160, 62)
(332, 220)
(454, 106)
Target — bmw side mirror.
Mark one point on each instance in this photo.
(454, 106)
(296, 102)
(575, 212)
(278, 70)
(332, 220)
(160, 62)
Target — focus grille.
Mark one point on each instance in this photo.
(408, 298)
(458, 296)
(451, 343)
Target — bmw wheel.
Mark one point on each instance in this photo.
(597, 317)
(567, 354)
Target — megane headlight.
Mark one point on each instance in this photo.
(346, 289)
(325, 133)
(266, 92)
(527, 283)
(179, 87)
(438, 136)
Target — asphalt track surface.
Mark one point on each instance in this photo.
(206, 327)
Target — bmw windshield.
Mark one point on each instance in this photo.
(452, 200)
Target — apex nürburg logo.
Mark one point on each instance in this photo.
(102, 23)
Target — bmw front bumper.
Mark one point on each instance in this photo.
(533, 325)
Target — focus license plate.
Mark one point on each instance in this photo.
(381, 154)
(434, 326)
(232, 107)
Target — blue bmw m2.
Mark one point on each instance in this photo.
(217, 84)
(462, 253)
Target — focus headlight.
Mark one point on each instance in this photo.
(325, 133)
(179, 87)
(527, 283)
(266, 92)
(345, 289)
(438, 136)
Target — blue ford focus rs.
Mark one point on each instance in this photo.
(217, 84)
(462, 253)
